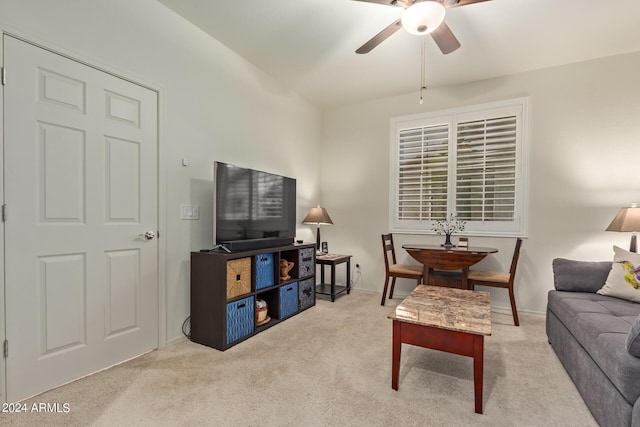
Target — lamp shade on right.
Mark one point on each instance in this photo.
(628, 220)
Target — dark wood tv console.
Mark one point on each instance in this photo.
(225, 288)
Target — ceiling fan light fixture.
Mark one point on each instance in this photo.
(423, 17)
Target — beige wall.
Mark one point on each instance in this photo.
(213, 106)
(584, 153)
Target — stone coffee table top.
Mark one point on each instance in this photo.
(446, 308)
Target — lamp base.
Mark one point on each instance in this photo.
(318, 238)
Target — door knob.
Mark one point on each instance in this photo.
(148, 235)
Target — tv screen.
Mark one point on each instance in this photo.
(251, 204)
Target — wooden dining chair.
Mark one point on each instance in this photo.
(395, 270)
(499, 280)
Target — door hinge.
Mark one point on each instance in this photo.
(4, 213)
(4, 76)
(6, 348)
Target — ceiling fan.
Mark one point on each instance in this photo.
(420, 17)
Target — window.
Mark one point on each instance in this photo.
(470, 162)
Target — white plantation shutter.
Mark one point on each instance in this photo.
(486, 169)
(469, 162)
(423, 173)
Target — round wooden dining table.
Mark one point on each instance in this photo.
(440, 257)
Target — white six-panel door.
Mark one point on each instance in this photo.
(81, 190)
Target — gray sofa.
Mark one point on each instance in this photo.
(593, 336)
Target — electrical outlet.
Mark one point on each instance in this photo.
(356, 275)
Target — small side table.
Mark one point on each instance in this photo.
(331, 288)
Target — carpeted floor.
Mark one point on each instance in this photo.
(327, 366)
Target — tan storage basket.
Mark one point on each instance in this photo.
(238, 277)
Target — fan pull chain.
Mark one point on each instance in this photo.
(423, 85)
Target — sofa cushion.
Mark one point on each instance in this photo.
(633, 338)
(601, 325)
(623, 280)
(579, 276)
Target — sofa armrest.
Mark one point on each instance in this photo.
(580, 276)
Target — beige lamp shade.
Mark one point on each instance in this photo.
(318, 216)
(628, 220)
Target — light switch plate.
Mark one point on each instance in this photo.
(189, 212)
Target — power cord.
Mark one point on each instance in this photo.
(357, 274)
(186, 327)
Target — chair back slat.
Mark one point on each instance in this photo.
(387, 245)
(514, 260)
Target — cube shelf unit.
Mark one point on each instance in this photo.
(225, 287)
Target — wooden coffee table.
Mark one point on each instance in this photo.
(445, 319)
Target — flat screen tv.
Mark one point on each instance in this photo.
(252, 209)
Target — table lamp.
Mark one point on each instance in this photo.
(628, 219)
(318, 216)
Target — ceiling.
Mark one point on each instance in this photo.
(309, 45)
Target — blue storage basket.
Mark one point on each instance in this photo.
(240, 319)
(264, 271)
(288, 300)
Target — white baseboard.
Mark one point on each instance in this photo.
(496, 308)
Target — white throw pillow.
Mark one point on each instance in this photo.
(624, 278)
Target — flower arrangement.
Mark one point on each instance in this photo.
(449, 226)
